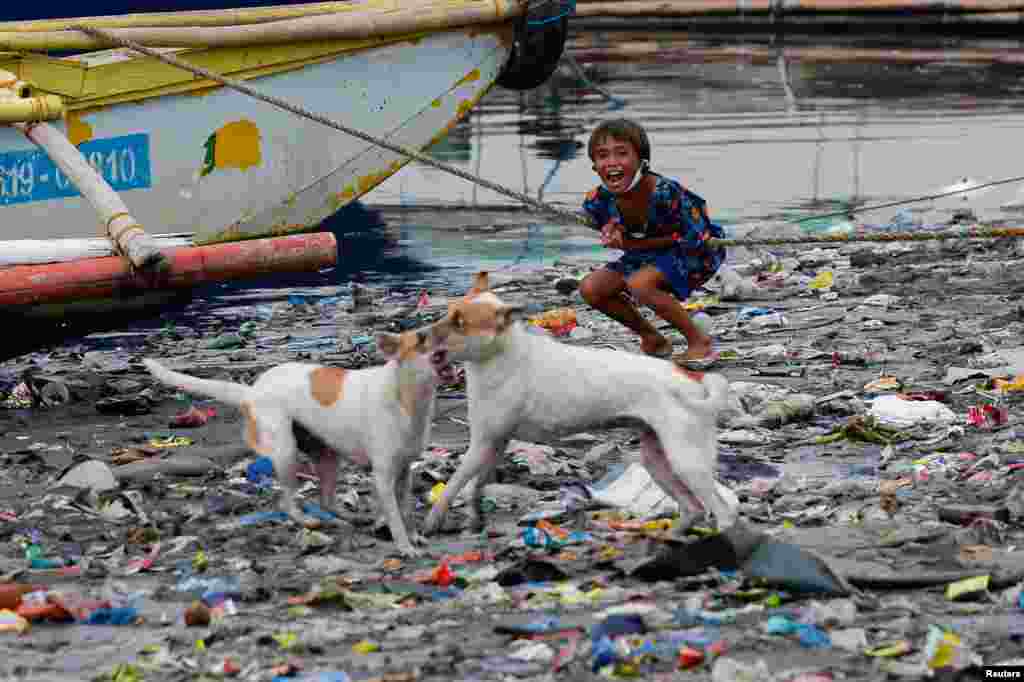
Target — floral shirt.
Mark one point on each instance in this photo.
(673, 210)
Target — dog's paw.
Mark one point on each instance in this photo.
(418, 540)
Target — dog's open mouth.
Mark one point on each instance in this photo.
(443, 367)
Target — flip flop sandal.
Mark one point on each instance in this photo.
(701, 364)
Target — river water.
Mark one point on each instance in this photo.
(764, 134)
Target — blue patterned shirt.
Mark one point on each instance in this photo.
(673, 210)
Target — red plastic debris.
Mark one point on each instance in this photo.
(689, 657)
(194, 416)
(442, 575)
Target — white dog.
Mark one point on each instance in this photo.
(532, 387)
(380, 417)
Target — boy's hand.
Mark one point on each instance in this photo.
(612, 235)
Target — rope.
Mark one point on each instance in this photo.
(571, 216)
(587, 83)
(939, 235)
(903, 202)
(299, 111)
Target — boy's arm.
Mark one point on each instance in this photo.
(594, 211)
(684, 217)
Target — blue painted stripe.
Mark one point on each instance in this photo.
(30, 175)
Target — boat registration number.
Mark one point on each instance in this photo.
(31, 175)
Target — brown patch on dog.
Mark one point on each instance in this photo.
(325, 384)
(408, 346)
(689, 373)
(253, 435)
(479, 317)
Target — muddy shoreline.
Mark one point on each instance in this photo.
(341, 601)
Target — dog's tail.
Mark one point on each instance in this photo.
(717, 387)
(225, 391)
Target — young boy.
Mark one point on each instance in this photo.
(662, 227)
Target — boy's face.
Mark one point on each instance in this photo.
(616, 162)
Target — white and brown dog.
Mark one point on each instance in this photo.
(380, 417)
(533, 387)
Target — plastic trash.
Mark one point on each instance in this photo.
(125, 615)
(93, 475)
(895, 411)
(259, 470)
(702, 321)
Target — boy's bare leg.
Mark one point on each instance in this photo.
(648, 286)
(602, 289)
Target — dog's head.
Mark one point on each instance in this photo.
(476, 325)
(419, 352)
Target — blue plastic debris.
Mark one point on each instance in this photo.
(125, 615)
(260, 470)
(277, 515)
(603, 653)
(813, 637)
(316, 677)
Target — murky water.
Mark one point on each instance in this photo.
(763, 133)
(759, 135)
(756, 136)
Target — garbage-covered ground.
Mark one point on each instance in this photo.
(873, 438)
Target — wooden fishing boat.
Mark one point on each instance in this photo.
(187, 162)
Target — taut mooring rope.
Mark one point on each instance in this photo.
(571, 216)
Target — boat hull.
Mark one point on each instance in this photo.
(219, 165)
(14, 11)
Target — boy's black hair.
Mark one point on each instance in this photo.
(621, 129)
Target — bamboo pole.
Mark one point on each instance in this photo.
(649, 51)
(125, 233)
(98, 278)
(368, 22)
(31, 109)
(996, 21)
(38, 251)
(217, 17)
(626, 8)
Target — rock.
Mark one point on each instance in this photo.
(93, 475)
(175, 465)
(567, 285)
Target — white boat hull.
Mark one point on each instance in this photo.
(221, 165)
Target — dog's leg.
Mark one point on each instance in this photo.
(695, 469)
(387, 477)
(487, 474)
(327, 471)
(407, 505)
(269, 432)
(481, 455)
(656, 462)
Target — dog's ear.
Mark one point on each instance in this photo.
(388, 344)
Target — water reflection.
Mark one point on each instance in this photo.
(761, 130)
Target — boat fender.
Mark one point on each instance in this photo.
(539, 43)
